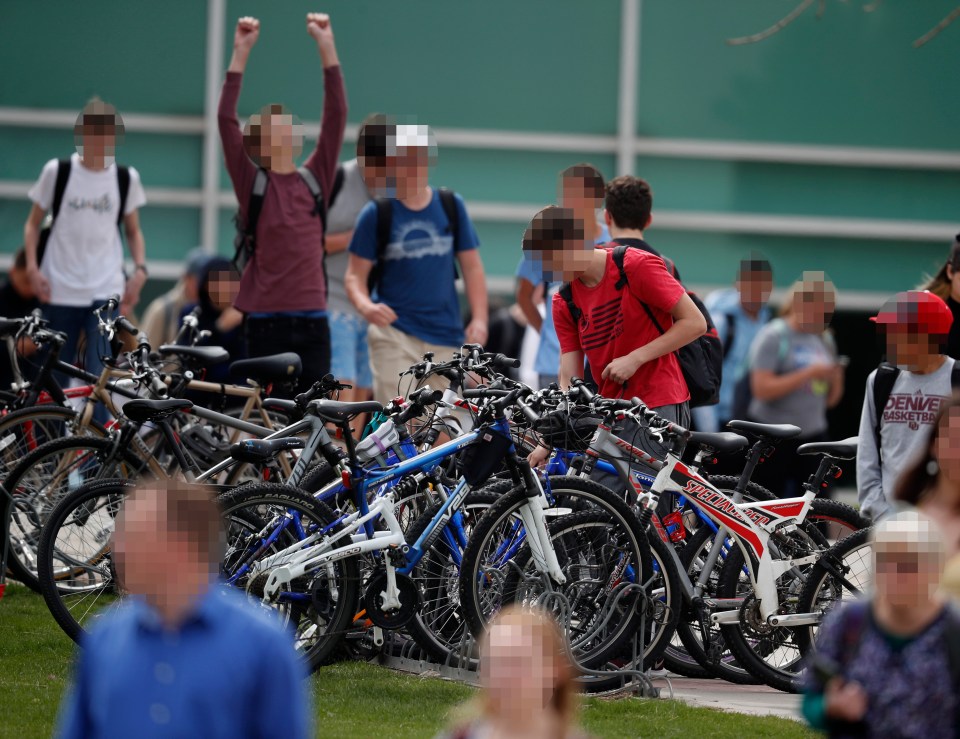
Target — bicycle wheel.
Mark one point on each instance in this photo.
(264, 519)
(606, 563)
(772, 654)
(439, 627)
(26, 429)
(842, 574)
(43, 478)
(75, 570)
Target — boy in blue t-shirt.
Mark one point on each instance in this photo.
(413, 308)
(582, 191)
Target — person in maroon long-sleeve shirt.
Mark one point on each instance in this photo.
(283, 292)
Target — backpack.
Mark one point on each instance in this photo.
(245, 241)
(701, 361)
(883, 383)
(385, 224)
(60, 187)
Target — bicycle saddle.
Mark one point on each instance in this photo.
(725, 442)
(281, 405)
(265, 370)
(846, 449)
(334, 410)
(258, 451)
(201, 356)
(778, 431)
(142, 411)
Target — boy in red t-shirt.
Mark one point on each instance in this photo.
(629, 356)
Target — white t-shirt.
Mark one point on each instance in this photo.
(84, 256)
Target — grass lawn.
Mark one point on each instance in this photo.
(35, 658)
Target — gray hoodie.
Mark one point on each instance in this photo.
(908, 418)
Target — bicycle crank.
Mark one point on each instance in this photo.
(375, 595)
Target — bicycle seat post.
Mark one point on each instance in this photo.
(817, 481)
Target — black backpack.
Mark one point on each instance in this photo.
(883, 383)
(385, 224)
(60, 187)
(245, 241)
(701, 361)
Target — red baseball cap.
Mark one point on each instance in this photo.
(917, 309)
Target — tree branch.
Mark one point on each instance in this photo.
(935, 31)
(776, 27)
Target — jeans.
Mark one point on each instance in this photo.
(350, 360)
(308, 337)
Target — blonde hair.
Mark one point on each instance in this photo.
(810, 283)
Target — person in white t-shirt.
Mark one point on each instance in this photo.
(82, 264)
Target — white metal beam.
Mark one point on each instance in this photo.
(627, 90)
(210, 176)
(769, 152)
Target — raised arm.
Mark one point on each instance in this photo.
(239, 166)
(323, 160)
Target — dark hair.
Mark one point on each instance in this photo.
(588, 175)
(100, 115)
(374, 135)
(20, 258)
(552, 228)
(754, 264)
(629, 202)
(939, 284)
(920, 478)
(191, 510)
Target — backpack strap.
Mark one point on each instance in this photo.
(60, 187)
(384, 225)
(953, 656)
(955, 376)
(883, 383)
(449, 203)
(619, 254)
(123, 182)
(566, 292)
(319, 207)
(337, 184)
(730, 323)
(255, 204)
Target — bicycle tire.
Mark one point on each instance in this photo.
(27, 519)
(343, 595)
(55, 592)
(587, 496)
(823, 575)
(772, 639)
(439, 626)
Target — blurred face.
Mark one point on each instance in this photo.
(575, 195)
(97, 141)
(905, 576)
(907, 347)
(814, 308)
(410, 169)
(140, 547)
(518, 676)
(281, 139)
(754, 289)
(947, 449)
(222, 286)
(954, 276)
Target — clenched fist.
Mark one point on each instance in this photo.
(248, 30)
(318, 26)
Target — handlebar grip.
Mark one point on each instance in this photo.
(483, 392)
(528, 412)
(502, 361)
(157, 386)
(125, 325)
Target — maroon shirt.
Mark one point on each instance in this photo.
(286, 271)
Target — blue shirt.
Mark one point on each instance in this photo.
(228, 671)
(726, 312)
(418, 267)
(548, 353)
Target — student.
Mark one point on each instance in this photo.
(161, 319)
(888, 667)
(350, 356)
(946, 285)
(413, 308)
(82, 264)
(628, 354)
(581, 190)
(739, 313)
(283, 293)
(913, 385)
(182, 656)
(17, 300)
(795, 376)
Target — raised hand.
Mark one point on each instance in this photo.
(318, 26)
(247, 33)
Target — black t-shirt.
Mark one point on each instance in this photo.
(641, 244)
(953, 341)
(12, 305)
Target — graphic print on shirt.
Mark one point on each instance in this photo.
(103, 204)
(418, 239)
(601, 325)
(806, 355)
(914, 409)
